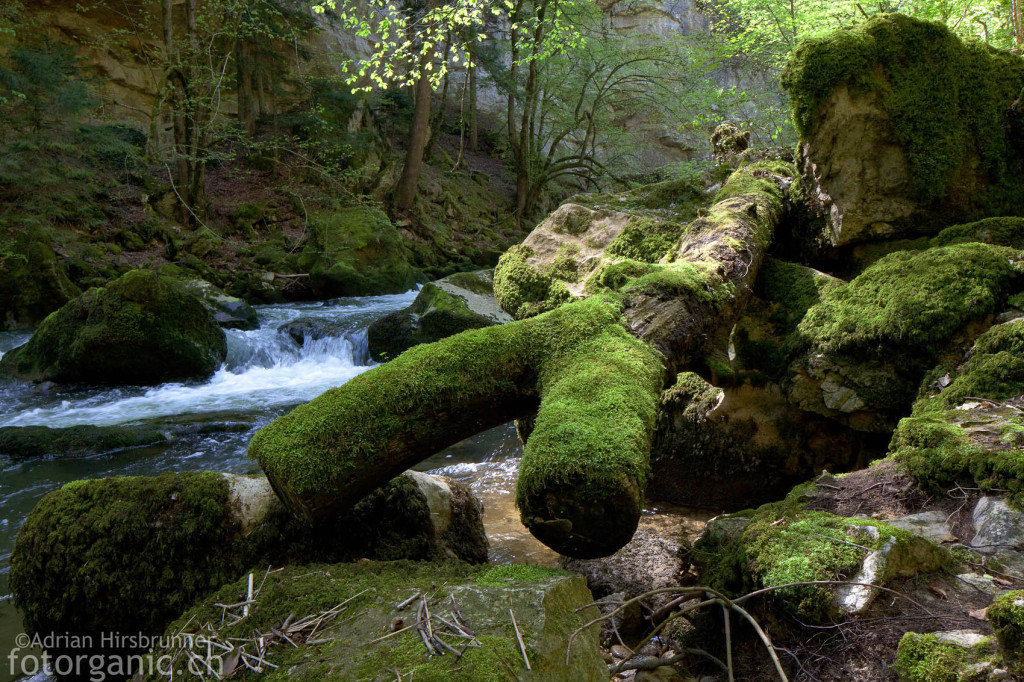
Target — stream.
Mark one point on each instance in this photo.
(265, 375)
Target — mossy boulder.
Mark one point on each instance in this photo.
(130, 554)
(904, 129)
(33, 282)
(962, 429)
(367, 642)
(1006, 614)
(867, 345)
(228, 311)
(955, 656)
(356, 251)
(441, 309)
(1001, 231)
(34, 441)
(783, 542)
(140, 329)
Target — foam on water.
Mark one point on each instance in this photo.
(264, 369)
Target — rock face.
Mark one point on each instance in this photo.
(999, 532)
(140, 329)
(903, 129)
(367, 640)
(130, 554)
(443, 308)
(736, 447)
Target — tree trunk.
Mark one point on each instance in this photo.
(248, 106)
(405, 192)
(473, 133)
(178, 103)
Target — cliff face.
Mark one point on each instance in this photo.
(120, 50)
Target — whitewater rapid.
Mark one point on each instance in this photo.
(265, 369)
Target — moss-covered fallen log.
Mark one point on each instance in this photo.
(592, 367)
(598, 388)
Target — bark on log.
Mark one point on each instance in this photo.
(584, 468)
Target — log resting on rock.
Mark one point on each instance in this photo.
(592, 368)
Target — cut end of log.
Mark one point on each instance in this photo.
(581, 529)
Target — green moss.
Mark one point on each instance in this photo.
(940, 455)
(784, 543)
(678, 199)
(33, 281)
(33, 441)
(999, 231)
(1006, 614)
(597, 384)
(565, 266)
(587, 457)
(503, 574)
(926, 658)
(942, 95)
(356, 251)
(937, 444)
(756, 180)
(994, 369)
(78, 559)
(699, 280)
(908, 302)
(140, 329)
(793, 290)
(612, 276)
(645, 239)
(520, 289)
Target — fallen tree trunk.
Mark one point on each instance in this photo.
(596, 367)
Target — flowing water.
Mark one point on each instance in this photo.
(266, 374)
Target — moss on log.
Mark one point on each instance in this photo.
(329, 453)
(592, 368)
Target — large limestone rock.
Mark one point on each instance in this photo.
(904, 129)
(140, 329)
(594, 242)
(373, 634)
(784, 542)
(443, 308)
(130, 554)
(229, 312)
(730, 448)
